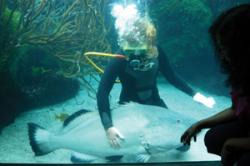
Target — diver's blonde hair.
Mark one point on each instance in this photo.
(142, 35)
(151, 34)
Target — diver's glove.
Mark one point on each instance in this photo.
(207, 101)
(114, 137)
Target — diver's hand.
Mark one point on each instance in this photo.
(114, 137)
(207, 101)
(189, 133)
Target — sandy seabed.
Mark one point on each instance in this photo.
(14, 141)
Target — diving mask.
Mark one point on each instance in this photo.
(133, 52)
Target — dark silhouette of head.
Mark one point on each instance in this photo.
(231, 37)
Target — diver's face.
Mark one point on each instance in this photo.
(133, 52)
(139, 53)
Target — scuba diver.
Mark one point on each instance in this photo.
(138, 74)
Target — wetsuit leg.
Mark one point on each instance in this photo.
(160, 103)
(156, 102)
(122, 102)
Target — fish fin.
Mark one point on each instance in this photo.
(183, 148)
(115, 158)
(142, 158)
(73, 116)
(78, 158)
(39, 141)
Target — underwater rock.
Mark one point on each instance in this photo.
(31, 81)
(35, 72)
(12, 101)
(183, 34)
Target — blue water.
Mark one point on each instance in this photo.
(42, 80)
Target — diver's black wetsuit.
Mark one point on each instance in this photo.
(137, 86)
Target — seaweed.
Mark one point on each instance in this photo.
(66, 28)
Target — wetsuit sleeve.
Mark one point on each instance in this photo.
(105, 86)
(167, 71)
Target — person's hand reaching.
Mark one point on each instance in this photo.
(189, 133)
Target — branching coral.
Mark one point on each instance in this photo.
(67, 28)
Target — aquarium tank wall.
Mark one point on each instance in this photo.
(54, 54)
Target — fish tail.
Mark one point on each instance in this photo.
(40, 140)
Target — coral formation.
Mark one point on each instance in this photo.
(42, 43)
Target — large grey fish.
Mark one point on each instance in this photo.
(147, 130)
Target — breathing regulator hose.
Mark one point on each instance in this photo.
(92, 63)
